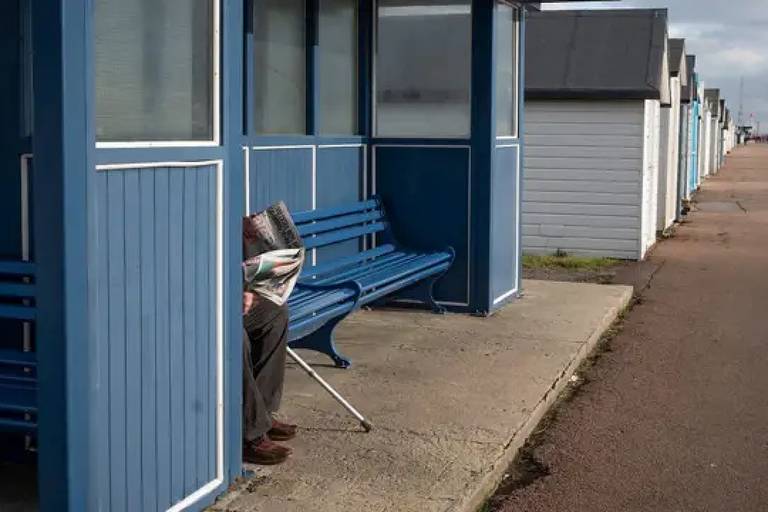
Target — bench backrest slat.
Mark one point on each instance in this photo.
(343, 221)
(342, 235)
(17, 290)
(328, 226)
(17, 268)
(326, 213)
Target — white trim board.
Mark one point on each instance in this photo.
(247, 180)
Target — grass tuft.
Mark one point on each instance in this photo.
(531, 261)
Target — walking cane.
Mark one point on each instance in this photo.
(312, 373)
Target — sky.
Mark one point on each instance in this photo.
(729, 39)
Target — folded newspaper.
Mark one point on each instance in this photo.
(273, 253)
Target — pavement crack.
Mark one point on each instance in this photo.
(649, 283)
(738, 203)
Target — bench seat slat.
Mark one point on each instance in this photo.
(17, 268)
(325, 213)
(324, 300)
(17, 358)
(313, 296)
(335, 265)
(10, 425)
(18, 399)
(338, 223)
(17, 312)
(343, 235)
(383, 291)
(400, 272)
(17, 290)
(379, 264)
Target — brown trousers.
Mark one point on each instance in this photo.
(265, 336)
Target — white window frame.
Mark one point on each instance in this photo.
(374, 101)
(519, 11)
(216, 102)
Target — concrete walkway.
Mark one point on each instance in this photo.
(452, 398)
(676, 415)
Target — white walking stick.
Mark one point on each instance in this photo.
(312, 373)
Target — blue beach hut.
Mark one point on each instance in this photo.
(691, 95)
(135, 135)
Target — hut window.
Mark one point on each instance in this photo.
(154, 70)
(506, 69)
(280, 67)
(338, 67)
(423, 68)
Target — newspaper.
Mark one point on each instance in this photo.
(273, 253)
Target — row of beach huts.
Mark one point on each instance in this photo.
(620, 132)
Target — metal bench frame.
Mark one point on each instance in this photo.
(387, 271)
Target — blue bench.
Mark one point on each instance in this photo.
(381, 270)
(18, 369)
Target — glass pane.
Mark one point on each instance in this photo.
(280, 68)
(154, 70)
(423, 68)
(506, 70)
(338, 67)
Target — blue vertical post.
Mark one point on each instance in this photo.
(482, 142)
(232, 108)
(63, 150)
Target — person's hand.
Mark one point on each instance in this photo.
(249, 299)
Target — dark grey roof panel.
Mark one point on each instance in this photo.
(677, 62)
(597, 54)
(690, 90)
(712, 98)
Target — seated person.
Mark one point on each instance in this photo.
(264, 347)
(273, 257)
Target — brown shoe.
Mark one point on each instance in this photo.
(264, 452)
(282, 431)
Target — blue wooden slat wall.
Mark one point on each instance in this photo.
(426, 193)
(281, 174)
(504, 222)
(339, 181)
(155, 290)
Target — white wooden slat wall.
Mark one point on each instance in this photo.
(583, 178)
(670, 154)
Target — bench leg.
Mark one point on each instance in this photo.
(424, 293)
(322, 341)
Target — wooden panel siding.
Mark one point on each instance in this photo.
(583, 177)
(339, 181)
(156, 241)
(434, 219)
(282, 174)
(650, 195)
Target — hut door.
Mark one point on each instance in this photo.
(156, 250)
